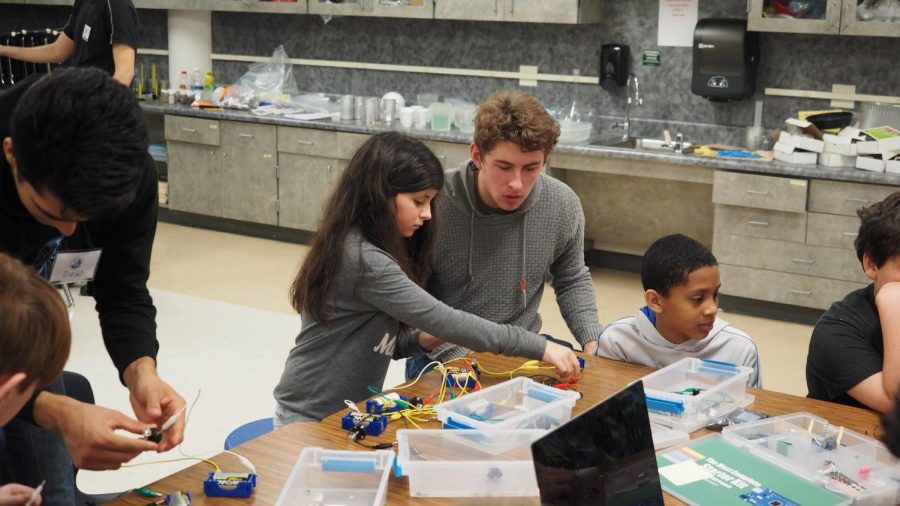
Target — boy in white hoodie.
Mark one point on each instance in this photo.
(681, 288)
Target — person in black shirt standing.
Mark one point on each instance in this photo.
(99, 33)
(854, 353)
(75, 175)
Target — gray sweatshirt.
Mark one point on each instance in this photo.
(635, 339)
(483, 256)
(337, 361)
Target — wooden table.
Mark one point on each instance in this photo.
(274, 454)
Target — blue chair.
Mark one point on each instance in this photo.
(248, 432)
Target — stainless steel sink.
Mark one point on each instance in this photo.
(643, 144)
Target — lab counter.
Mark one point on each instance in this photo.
(783, 234)
(584, 148)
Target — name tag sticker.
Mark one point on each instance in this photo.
(75, 266)
(86, 34)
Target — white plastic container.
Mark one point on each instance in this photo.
(350, 478)
(519, 403)
(664, 437)
(797, 442)
(468, 463)
(720, 389)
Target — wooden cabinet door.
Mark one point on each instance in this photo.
(859, 19)
(195, 178)
(304, 185)
(249, 185)
(346, 8)
(554, 11)
(423, 9)
(470, 10)
(760, 19)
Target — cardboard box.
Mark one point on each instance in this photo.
(892, 166)
(802, 142)
(882, 140)
(870, 163)
(867, 148)
(839, 145)
(853, 133)
(833, 160)
(796, 157)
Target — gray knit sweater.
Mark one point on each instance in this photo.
(482, 257)
(372, 295)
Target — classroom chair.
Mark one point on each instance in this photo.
(248, 432)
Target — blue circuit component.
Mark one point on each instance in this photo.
(766, 497)
(219, 484)
(580, 362)
(373, 424)
(379, 405)
(462, 377)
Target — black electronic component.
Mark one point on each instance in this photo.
(615, 62)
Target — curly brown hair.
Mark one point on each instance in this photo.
(515, 116)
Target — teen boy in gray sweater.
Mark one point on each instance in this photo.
(505, 226)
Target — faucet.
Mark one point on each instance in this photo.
(633, 93)
(678, 146)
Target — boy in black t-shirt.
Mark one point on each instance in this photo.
(854, 354)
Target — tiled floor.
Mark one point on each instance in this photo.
(225, 326)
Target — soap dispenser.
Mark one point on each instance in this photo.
(614, 65)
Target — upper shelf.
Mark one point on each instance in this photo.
(541, 11)
(298, 7)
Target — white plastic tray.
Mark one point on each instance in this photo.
(797, 442)
(519, 403)
(468, 463)
(348, 478)
(720, 389)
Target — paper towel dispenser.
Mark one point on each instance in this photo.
(725, 59)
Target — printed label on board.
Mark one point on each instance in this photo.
(651, 58)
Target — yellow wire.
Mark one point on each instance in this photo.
(531, 365)
(216, 466)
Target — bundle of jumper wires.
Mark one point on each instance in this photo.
(458, 377)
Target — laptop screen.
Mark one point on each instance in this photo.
(603, 456)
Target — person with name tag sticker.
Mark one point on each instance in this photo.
(77, 202)
(99, 33)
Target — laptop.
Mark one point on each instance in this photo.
(602, 457)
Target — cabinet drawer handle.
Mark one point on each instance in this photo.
(863, 201)
(850, 234)
(803, 261)
(800, 292)
(245, 136)
(305, 143)
(189, 130)
(441, 157)
(759, 223)
(757, 192)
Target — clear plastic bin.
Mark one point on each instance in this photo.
(842, 460)
(519, 403)
(468, 463)
(348, 478)
(664, 437)
(692, 392)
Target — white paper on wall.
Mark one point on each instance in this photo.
(677, 19)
